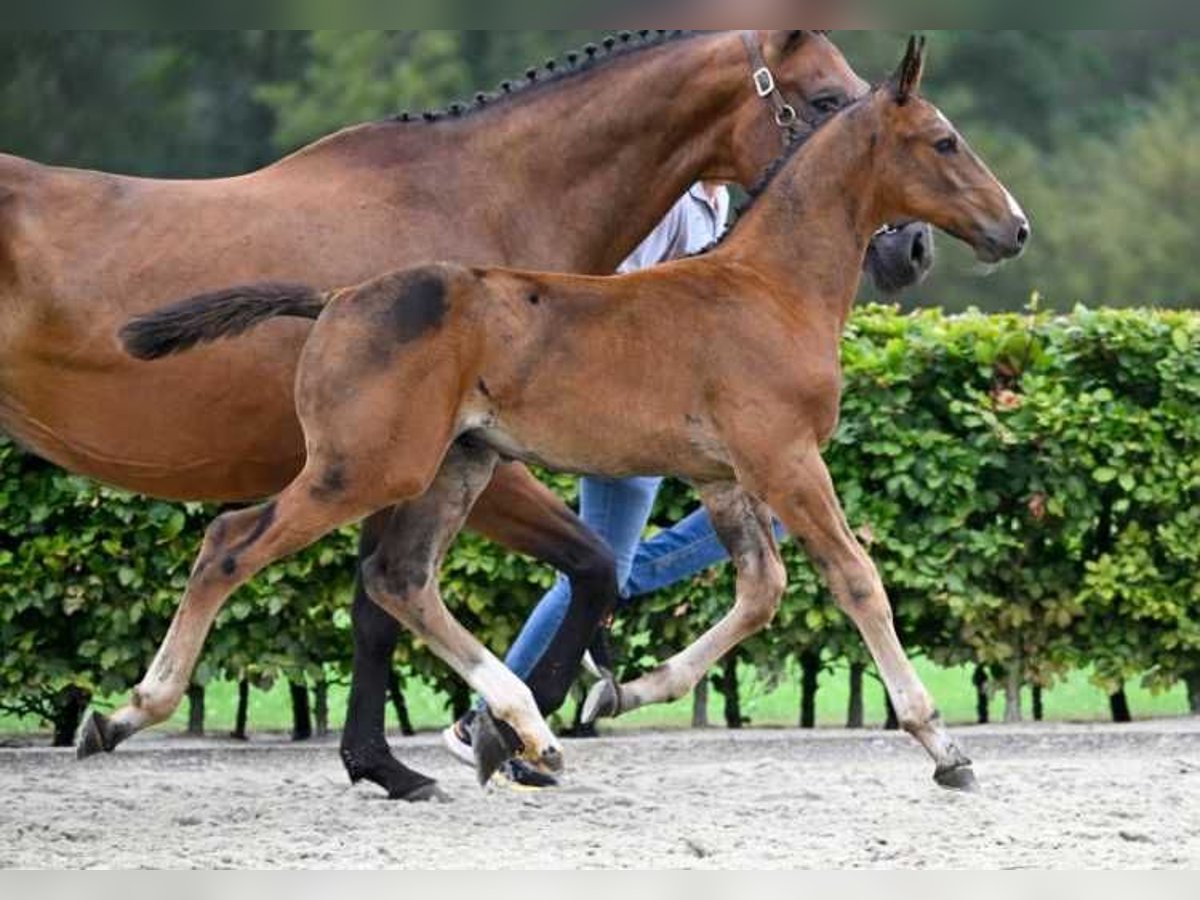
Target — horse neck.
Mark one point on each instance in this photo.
(573, 175)
(808, 232)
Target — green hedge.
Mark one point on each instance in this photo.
(1029, 486)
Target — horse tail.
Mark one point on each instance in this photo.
(221, 314)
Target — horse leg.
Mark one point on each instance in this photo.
(523, 514)
(236, 546)
(804, 497)
(520, 513)
(745, 528)
(401, 576)
(364, 747)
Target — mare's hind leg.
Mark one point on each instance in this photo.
(401, 577)
(236, 546)
(744, 527)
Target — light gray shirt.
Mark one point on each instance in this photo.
(693, 223)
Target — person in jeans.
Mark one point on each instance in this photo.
(618, 509)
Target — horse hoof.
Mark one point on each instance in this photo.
(426, 793)
(552, 761)
(494, 743)
(957, 778)
(98, 734)
(603, 701)
(379, 767)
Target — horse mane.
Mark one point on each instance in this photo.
(573, 63)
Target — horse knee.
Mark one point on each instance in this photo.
(395, 579)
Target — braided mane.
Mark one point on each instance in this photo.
(555, 71)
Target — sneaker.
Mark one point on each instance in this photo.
(457, 739)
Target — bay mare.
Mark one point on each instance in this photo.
(568, 173)
(723, 370)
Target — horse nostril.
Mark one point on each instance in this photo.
(918, 250)
(1022, 235)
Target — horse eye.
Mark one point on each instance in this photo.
(826, 106)
(947, 146)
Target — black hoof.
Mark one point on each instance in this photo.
(379, 767)
(494, 743)
(603, 702)
(98, 734)
(957, 778)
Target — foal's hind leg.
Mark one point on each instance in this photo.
(745, 528)
(236, 546)
(523, 514)
(402, 577)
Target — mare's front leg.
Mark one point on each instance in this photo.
(799, 489)
(745, 528)
(401, 576)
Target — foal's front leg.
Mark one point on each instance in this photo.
(401, 576)
(744, 526)
(803, 496)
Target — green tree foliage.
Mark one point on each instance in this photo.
(1028, 485)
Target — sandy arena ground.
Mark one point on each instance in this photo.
(1053, 796)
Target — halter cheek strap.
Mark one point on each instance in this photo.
(767, 87)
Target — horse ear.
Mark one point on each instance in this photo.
(906, 82)
(782, 44)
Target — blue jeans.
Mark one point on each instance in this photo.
(618, 511)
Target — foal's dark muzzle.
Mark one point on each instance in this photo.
(900, 257)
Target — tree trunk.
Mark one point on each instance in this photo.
(302, 728)
(1119, 704)
(1012, 694)
(700, 704)
(195, 697)
(810, 670)
(460, 701)
(980, 680)
(396, 692)
(69, 707)
(892, 723)
(855, 712)
(1038, 710)
(731, 692)
(321, 707)
(243, 710)
(1193, 690)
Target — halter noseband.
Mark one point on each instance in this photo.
(765, 85)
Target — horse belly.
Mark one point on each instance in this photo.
(164, 428)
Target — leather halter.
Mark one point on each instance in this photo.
(765, 85)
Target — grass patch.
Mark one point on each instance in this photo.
(1073, 699)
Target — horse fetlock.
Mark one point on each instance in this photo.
(605, 700)
(155, 703)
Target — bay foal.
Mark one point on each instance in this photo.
(721, 369)
(565, 170)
